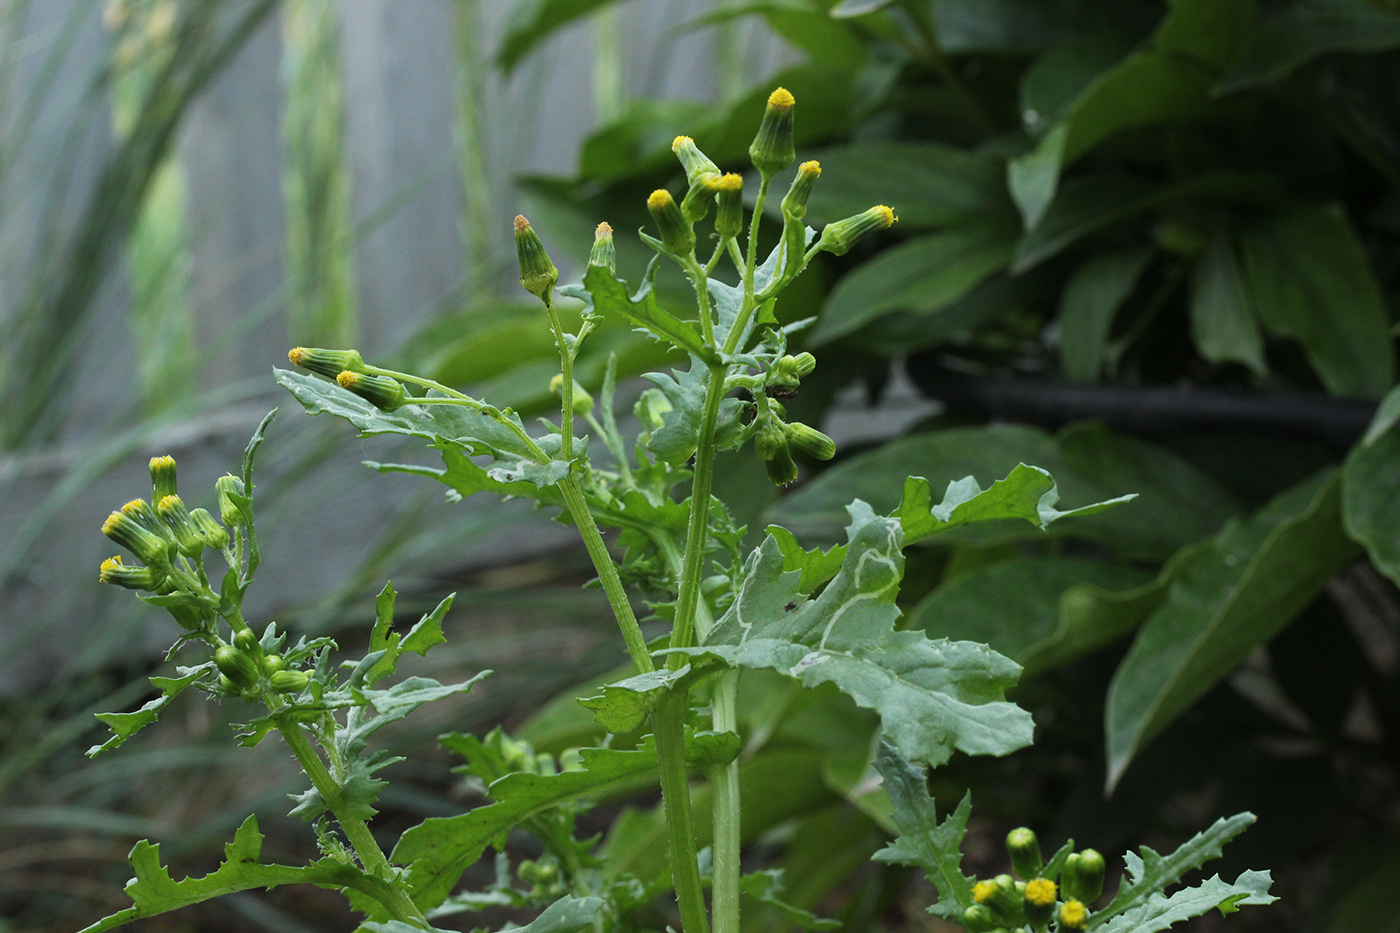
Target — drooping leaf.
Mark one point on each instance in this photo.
(1371, 489)
(1149, 873)
(1161, 911)
(1303, 31)
(459, 427)
(1222, 321)
(923, 841)
(1311, 280)
(1088, 304)
(154, 892)
(923, 275)
(933, 697)
(125, 725)
(438, 850)
(1254, 577)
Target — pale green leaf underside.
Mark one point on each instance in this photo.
(1161, 911)
(566, 915)
(933, 697)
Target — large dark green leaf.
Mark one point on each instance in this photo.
(1222, 602)
(1167, 81)
(1311, 280)
(1020, 27)
(1088, 304)
(923, 275)
(927, 184)
(1222, 321)
(1371, 489)
(1306, 30)
(1014, 606)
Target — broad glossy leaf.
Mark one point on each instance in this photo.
(1305, 30)
(933, 697)
(923, 841)
(1228, 598)
(1020, 27)
(848, 8)
(1222, 319)
(1311, 280)
(438, 850)
(461, 427)
(1149, 873)
(1088, 304)
(1371, 490)
(927, 184)
(125, 725)
(154, 892)
(922, 275)
(1014, 606)
(1161, 911)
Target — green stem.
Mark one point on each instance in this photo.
(668, 722)
(725, 781)
(397, 903)
(697, 528)
(607, 574)
(566, 363)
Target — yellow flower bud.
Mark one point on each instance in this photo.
(1073, 915)
(839, 236)
(772, 150)
(695, 162)
(162, 477)
(382, 392)
(795, 201)
(677, 237)
(604, 252)
(537, 274)
(330, 363)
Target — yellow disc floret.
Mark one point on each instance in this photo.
(983, 891)
(1040, 892)
(781, 97)
(1073, 914)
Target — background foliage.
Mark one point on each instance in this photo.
(1147, 246)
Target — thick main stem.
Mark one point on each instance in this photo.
(397, 903)
(724, 779)
(698, 526)
(668, 722)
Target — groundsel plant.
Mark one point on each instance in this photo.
(818, 617)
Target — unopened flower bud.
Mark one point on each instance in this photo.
(136, 538)
(583, 402)
(383, 392)
(176, 517)
(162, 477)
(604, 252)
(979, 918)
(677, 237)
(289, 681)
(145, 516)
(330, 363)
(133, 578)
(696, 203)
(537, 274)
(772, 149)
(1039, 900)
(1024, 850)
(1082, 879)
(1073, 915)
(246, 640)
(729, 215)
(1001, 895)
(695, 162)
(230, 492)
(273, 663)
(795, 201)
(787, 371)
(236, 666)
(839, 236)
(773, 450)
(810, 441)
(214, 534)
